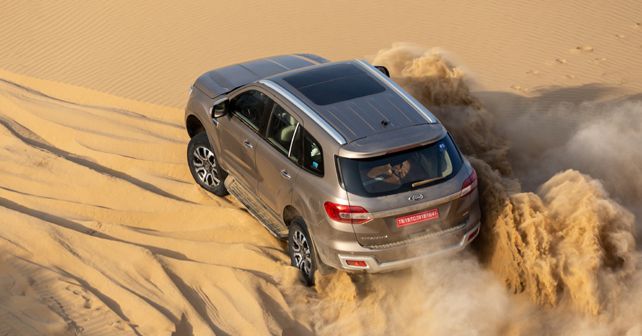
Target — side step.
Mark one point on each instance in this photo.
(255, 207)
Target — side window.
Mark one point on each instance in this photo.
(281, 129)
(250, 107)
(312, 155)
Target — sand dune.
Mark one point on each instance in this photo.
(115, 238)
(153, 52)
(101, 204)
(103, 231)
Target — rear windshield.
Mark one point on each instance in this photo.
(399, 172)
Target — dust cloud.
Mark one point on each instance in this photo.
(558, 189)
(601, 139)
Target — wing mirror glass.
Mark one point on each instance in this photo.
(220, 108)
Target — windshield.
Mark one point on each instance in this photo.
(399, 172)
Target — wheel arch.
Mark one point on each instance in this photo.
(290, 213)
(193, 125)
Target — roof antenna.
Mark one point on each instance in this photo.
(384, 123)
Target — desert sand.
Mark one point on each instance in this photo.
(104, 232)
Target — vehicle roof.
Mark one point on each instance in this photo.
(384, 109)
(364, 111)
(223, 80)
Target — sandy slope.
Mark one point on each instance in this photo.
(103, 232)
(102, 227)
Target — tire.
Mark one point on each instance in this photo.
(204, 166)
(302, 251)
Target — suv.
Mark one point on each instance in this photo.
(336, 158)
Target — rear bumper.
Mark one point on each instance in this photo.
(399, 257)
(373, 266)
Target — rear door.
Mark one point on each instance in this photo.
(277, 159)
(240, 134)
(413, 194)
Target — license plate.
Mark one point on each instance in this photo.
(417, 218)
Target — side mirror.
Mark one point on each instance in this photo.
(219, 108)
(383, 69)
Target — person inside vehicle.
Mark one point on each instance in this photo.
(389, 173)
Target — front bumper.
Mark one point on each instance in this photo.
(343, 252)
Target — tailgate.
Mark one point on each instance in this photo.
(406, 216)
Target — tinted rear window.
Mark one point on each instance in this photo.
(334, 83)
(399, 172)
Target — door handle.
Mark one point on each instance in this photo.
(285, 174)
(248, 144)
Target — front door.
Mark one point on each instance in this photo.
(240, 134)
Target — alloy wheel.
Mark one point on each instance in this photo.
(301, 254)
(205, 166)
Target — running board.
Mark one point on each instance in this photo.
(256, 208)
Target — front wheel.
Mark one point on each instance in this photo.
(301, 251)
(204, 166)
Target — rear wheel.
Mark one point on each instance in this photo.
(301, 250)
(204, 166)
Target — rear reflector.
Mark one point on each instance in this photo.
(350, 214)
(356, 263)
(472, 234)
(470, 183)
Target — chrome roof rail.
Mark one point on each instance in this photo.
(396, 88)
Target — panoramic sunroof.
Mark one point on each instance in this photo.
(334, 83)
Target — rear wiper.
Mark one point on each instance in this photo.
(426, 181)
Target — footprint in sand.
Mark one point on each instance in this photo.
(519, 88)
(561, 61)
(620, 36)
(582, 49)
(570, 76)
(87, 303)
(533, 72)
(637, 25)
(86, 299)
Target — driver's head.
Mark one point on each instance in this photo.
(401, 169)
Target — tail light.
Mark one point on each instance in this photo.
(469, 184)
(350, 214)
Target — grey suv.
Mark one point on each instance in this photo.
(334, 157)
